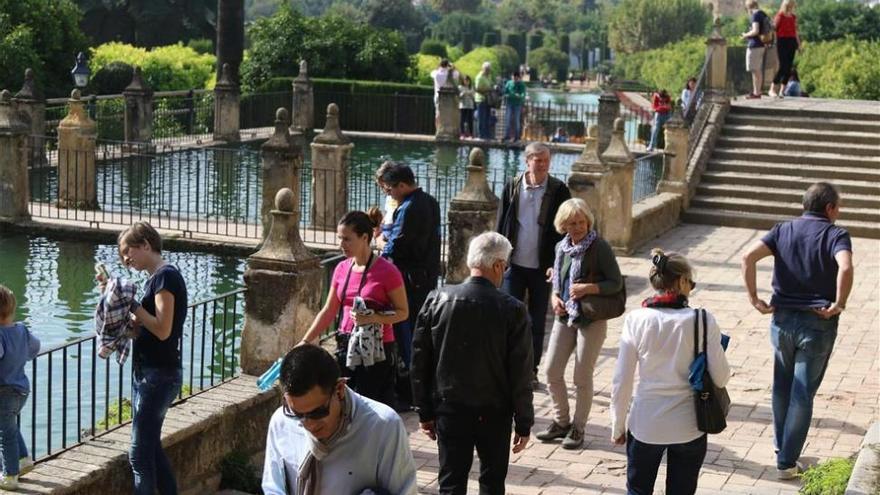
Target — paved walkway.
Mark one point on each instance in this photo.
(741, 459)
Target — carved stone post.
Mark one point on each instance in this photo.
(448, 114)
(76, 157)
(588, 178)
(716, 73)
(471, 212)
(283, 298)
(609, 109)
(331, 152)
(31, 106)
(138, 109)
(675, 159)
(281, 164)
(617, 197)
(303, 104)
(226, 108)
(13, 161)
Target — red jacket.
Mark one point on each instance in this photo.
(661, 104)
(786, 25)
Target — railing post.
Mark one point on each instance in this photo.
(471, 212)
(616, 202)
(716, 53)
(675, 158)
(303, 104)
(609, 110)
(331, 153)
(31, 106)
(283, 281)
(226, 108)
(588, 178)
(190, 112)
(13, 161)
(76, 157)
(448, 118)
(138, 109)
(282, 162)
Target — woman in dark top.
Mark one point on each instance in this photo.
(156, 363)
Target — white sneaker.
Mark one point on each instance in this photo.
(9, 483)
(25, 465)
(790, 473)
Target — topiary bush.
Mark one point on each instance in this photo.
(433, 47)
(549, 61)
(201, 45)
(424, 65)
(112, 78)
(165, 68)
(503, 58)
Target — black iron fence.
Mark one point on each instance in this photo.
(76, 395)
(376, 112)
(647, 175)
(180, 116)
(258, 109)
(108, 112)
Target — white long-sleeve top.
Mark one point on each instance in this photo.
(374, 452)
(661, 342)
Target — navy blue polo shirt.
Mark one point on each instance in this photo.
(804, 269)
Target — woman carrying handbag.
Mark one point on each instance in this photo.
(659, 337)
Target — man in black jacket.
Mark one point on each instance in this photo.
(528, 207)
(472, 371)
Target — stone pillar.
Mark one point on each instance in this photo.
(588, 177)
(283, 281)
(616, 199)
(448, 114)
(138, 109)
(76, 157)
(226, 108)
(609, 109)
(13, 161)
(281, 163)
(303, 104)
(31, 106)
(331, 152)
(716, 73)
(471, 212)
(675, 158)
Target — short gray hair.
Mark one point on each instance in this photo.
(536, 148)
(486, 249)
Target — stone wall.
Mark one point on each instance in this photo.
(654, 216)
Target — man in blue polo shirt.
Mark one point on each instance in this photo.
(812, 278)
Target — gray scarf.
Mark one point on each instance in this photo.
(308, 478)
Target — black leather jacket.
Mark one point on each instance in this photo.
(472, 350)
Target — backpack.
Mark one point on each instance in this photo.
(768, 31)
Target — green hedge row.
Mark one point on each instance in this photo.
(349, 86)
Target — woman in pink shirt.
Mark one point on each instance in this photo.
(787, 42)
(379, 283)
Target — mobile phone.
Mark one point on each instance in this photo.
(101, 270)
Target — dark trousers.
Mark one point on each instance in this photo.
(683, 463)
(519, 281)
(467, 121)
(785, 48)
(457, 435)
(483, 115)
(375, 382)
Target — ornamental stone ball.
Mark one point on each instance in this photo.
(284, 200)
(281, 115)
(5, 96)
(76, 94)
(477, 158)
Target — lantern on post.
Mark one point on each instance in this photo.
(80, 71)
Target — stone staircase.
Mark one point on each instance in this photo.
(768, 154)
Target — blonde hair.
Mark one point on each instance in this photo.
(667, 269)
(751, 4)
(7, 302)
(787, 6)
(570, 208)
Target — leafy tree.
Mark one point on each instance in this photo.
(148, 23)
(399, 15)
(549, 61)
(42, 35)
(450, 6)
(433, 47)
(825, 20)
(841, 69)
(637, 25)
(453, 27)
(668, 67)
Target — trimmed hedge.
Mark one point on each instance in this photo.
(165, 68)
(424, 65)
(433, 47)
(349, 86)
(504, 60)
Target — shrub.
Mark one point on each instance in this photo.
(112, 78)
(490, 38)
(549, 61)
(424, 65)
(827, 478)
(433, 47)
(518, 42)
(838, 69)
(667, 67)
(201, 45)
(165, 68)
(826, 20)
(454, 53)
(504, 60)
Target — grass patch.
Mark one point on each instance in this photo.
(827, 478)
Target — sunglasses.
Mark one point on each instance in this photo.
(314, 415)
(693, 284)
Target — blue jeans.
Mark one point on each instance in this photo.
(512, 129)
(153, 390)
(683, 463)
(517, 282)
(659, 120)
(483, 114)
(802, 343)
(11, 402)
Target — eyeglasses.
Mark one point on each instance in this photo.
(314, 415)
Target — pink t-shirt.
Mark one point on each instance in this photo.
(382, 278)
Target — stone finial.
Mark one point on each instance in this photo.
(225, 81)
(283, 249)
(589, 158)
(476, 158)
(476, 193)
(5, 97)
(10, 122)
(617, 151)
(29, 89)
(76, 95)
(332, 133)
(303, 71)
(137, 84)
(280, 139)
(715, 36)
(284, 200)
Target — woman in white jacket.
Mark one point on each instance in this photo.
(659, 337)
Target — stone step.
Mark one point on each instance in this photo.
(796, 122)
(800, 112)
(749, 181)
(766, 206)
(818, 144)
(783, 156)
(816, 172)
(728, 218)
(780, 194)
(798, 135)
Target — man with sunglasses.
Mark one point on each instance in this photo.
(325, 438)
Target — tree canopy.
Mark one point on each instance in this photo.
(637, 25)
(148, 23)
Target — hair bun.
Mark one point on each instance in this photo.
(659, 260)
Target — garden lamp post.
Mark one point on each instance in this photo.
(80, 71)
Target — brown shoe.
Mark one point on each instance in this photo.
(554, 431)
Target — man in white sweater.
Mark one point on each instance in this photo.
(325, 438)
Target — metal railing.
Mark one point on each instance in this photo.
(182, 116)
(108, 112)
(541, 119)
(696, 113)
(378, 112)
(648, 174)
(74, 396)
(258, 109)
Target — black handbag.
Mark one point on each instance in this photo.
(713, 403)
(596, 307)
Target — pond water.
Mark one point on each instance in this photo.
(564, 97)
